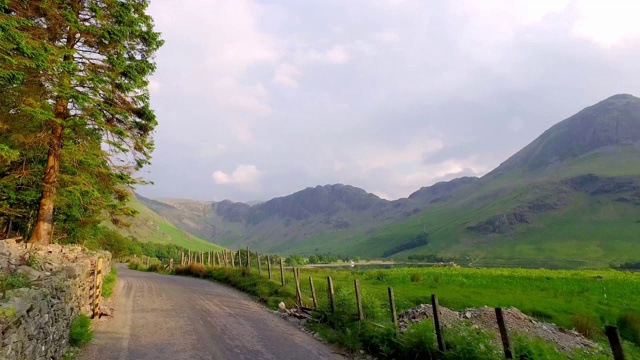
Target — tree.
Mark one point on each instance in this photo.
(93, 64)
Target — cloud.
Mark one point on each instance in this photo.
(243, 174)
(412, 93)
(286, 75)
(387, 37)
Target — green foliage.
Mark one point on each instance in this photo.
(109, 282)
(294, 260)
(322, 259)
(419, 341)
(75, 111)
(13, 280)
(80, 333)
(525, 347)
(463, 342)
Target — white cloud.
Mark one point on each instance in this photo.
(243, 174)
(286, 75)
(607, 22)
(337, 55)
(387, 36)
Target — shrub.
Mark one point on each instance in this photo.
(629, 324)
(156, 267)
(80, 333)
(586, 325)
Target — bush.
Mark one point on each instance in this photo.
(629, 324)
(80, 333)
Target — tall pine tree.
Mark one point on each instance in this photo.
(93, 101)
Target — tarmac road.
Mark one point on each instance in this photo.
(174, 317)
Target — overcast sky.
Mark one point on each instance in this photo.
(257, 99)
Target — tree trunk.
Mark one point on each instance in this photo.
(44, 223)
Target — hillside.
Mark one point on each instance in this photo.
(148, 226)
(572, 196)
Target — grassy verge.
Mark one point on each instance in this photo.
(109, 282)
(585, 300)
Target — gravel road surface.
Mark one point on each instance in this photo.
(173, 317)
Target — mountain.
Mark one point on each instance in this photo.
(148, 226)
(573, 193)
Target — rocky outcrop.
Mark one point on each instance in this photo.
(35, 320)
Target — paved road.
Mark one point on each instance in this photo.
(173, 317)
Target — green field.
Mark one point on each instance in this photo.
(556, 296)
(586, 300)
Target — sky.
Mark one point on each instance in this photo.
(258, 99)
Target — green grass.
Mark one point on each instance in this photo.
(148, 226)
(581, 299)
(80, 333)
(109, 282)
(10, 281)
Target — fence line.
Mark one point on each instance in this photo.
(224, 257)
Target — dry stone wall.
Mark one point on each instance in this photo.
(35, 321)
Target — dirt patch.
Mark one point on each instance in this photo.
(516, 321)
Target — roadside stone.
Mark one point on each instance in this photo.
(35, 321)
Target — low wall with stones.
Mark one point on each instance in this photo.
(35, 321)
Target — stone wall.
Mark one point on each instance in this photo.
(35, 321)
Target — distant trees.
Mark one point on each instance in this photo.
(75, 122)
(419, 240)
(322, 259)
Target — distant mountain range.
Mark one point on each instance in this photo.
(573, 194)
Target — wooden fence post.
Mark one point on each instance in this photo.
(269, 265)
(281, 272)
(239, 259)
(97, 288)
(182, 258)
(233, 260)
(171, 264)
(259, 265)
(298, 292)
(503, 334)
(189, 258)
(313, 293)
(356, 284)
(332, 295)
(394, 315)
(248, 259)
(614, 341)
(436, 322)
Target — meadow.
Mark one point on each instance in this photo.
(586, 300)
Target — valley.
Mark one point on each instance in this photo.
(571, 198)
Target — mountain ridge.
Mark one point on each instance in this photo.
(525, 197)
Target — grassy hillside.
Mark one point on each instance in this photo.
(564, 226)
(148, 226)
